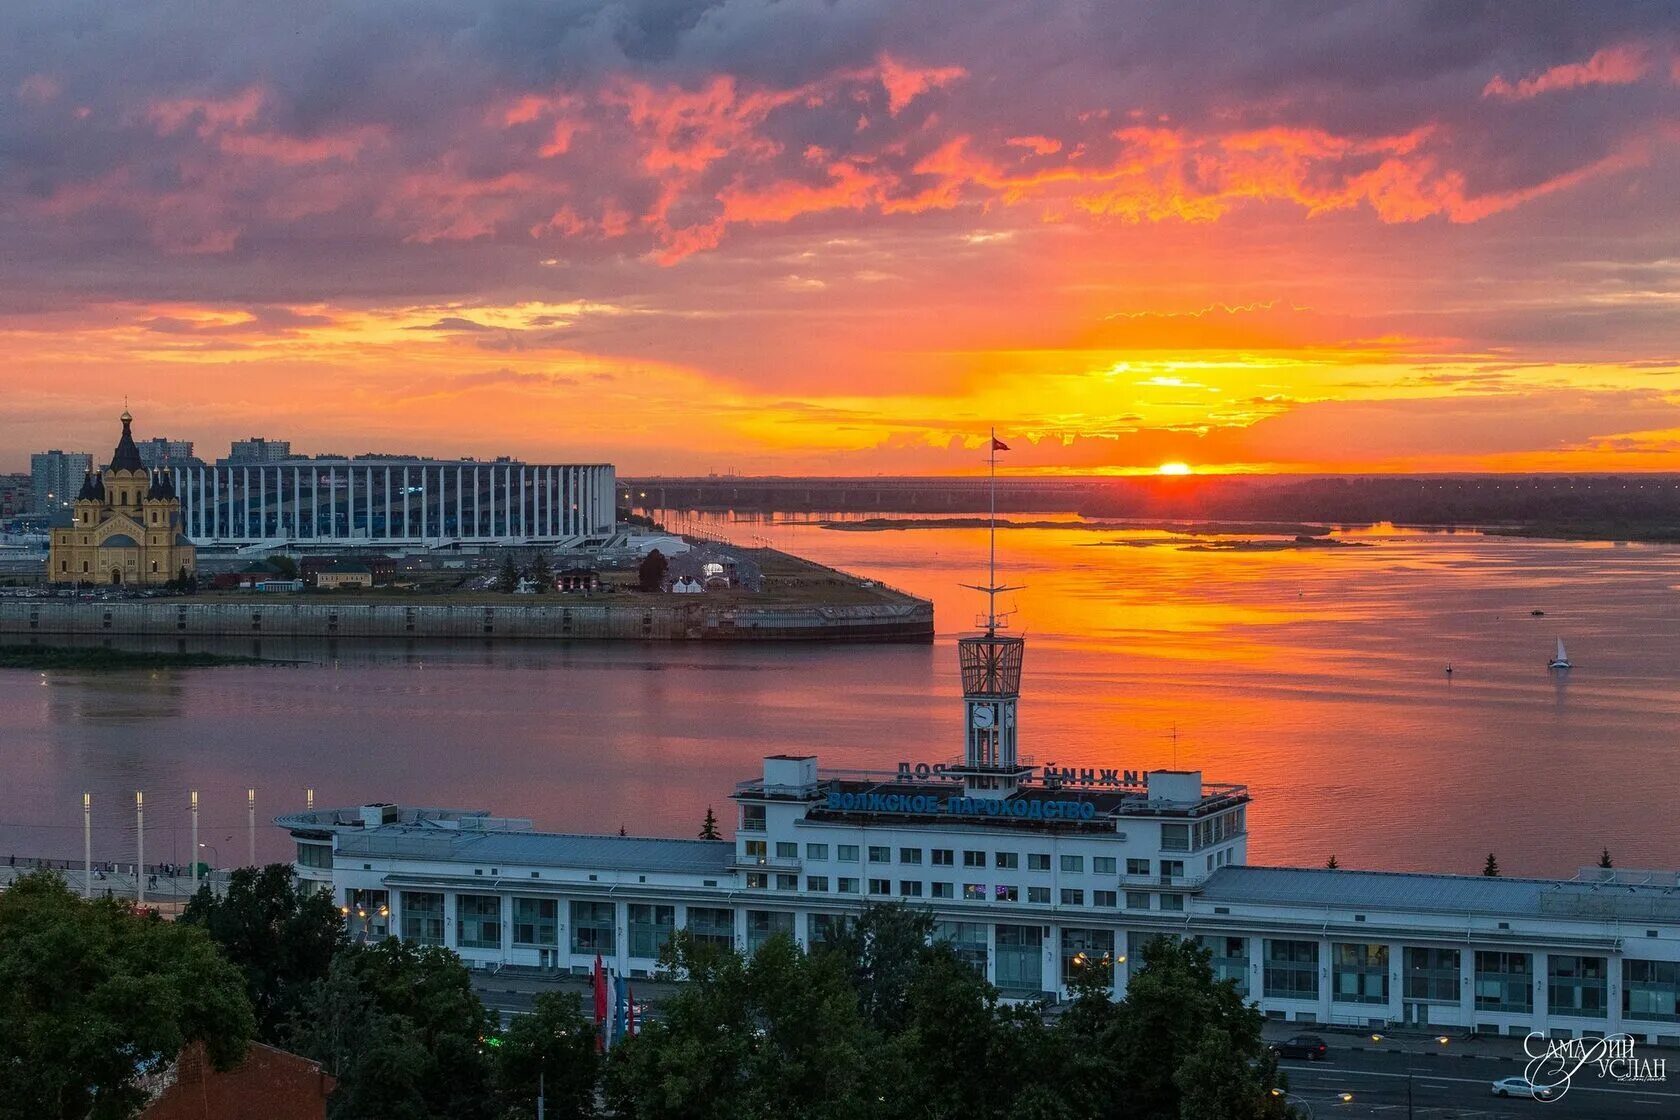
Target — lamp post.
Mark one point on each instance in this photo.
(195, 840)
(251, 825)
(1292, 1098)
(87, 845)
(140, 847)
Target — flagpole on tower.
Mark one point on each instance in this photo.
(991, 561)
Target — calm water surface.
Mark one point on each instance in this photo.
(1316, 677)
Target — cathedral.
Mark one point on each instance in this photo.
(124, 528)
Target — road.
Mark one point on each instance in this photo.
(1449, 1087)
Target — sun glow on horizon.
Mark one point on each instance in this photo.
(1173, 468)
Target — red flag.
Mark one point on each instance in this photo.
(999, 445)
(629, 1011)
(600, 980)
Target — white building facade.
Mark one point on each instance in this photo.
(423, 503)
(1027, 900)
(1030, 873)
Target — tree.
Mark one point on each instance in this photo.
(1491, 867)
(650, 576)
(284, 565)
(709, 827)
(507, 578)
(282, 938)
(553, 1048)
(541, 573)
(1604, 859)
(1331, 864)
(779, 1035)
(400, 1027)
(1159, 1041)
(92, 992)
(883, 950)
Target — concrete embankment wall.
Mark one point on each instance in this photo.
(555, 618)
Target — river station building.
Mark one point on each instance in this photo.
(1031, 873)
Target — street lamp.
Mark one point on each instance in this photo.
(1295, 1099)
(214, 854)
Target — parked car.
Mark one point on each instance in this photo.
(1308, 1046)
(1521, 1087)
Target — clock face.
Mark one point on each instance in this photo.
(983, 718)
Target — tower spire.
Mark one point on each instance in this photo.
(992, 621)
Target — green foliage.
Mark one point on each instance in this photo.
(709, 827)
(1491, 867)
(281, 937)
(881, 1024)
(92, 992)
(507, 578)
(401, 1028)
(778, 1036)
(1181, 1042)
(541, 573)
(284, 565)
(650, 575)
(884, 950)
(554, 1047)
(1604, 859)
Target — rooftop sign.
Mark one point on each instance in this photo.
(1018, 808)
(1098, 777)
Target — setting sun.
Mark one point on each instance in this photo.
(1173, 468)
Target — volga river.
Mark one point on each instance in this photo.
(1315, 676)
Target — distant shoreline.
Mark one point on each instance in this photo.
(106, 659)
(1635, 534)
(1184, 528)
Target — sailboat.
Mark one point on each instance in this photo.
(1561, 661)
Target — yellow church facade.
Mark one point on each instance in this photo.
(124, 528)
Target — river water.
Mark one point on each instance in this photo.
(1315, 676)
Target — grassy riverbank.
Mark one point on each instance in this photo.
(101, 659)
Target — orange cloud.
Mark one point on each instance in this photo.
(904, 83)
(1612, 66)
(1038, 145)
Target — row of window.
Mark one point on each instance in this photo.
(1503, 981)
(970, 892)
(536, 924)
(758, 850)
(1359, 973)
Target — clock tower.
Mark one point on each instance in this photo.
(991, 679)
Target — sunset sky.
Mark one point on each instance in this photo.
(848, 236)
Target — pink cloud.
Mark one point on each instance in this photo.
(904, 83)
(211, 114)
(1612, 66)
(1037, 145)
(38, 89)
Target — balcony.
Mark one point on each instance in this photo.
(1159, 882)
(766, 863)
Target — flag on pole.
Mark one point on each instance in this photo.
(620, 1013)
(600, 982)
(630, 1004)
(999, 445)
